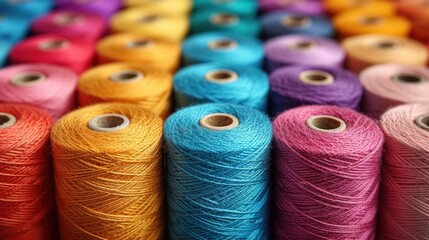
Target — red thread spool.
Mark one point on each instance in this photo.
(27, 202)
(58, 49)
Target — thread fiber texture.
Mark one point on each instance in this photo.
(383, 90)
(273, 25)
(405, 185)
(173, 7)
(109, 184)
(27, 209)
(55, 94)
(286, 50)
(218, 181)
(5, 48)
(311, 7)
(152, 91)
(32, 9)
(326, 184)
(243, 7)
(104, 8)
(248, 50)
(288, 91)
(13, 26)
(191, 86)
(137, 48)
(333, 7)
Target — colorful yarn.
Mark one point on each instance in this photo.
(366, 50)
(104, 8)
(150, 24)
(87, 26)
(221, 83)
(241, 7)
(333, 7)
(137, 48)
(413, 9)
(213, 19)
(281, 23)
(31, 9)
(5, 48)
(218, 172)
(389, 85)
(109, 180)
(46, 86)
(302, 50)
(172, 7)
(58, 49)
(299, 85)
(27, 209)
(310, 7)
(405, 185)
(13, 27)
(127, 83)
(327, 174)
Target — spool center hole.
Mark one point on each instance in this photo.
(54, 44)
(109, 122)
(425, 121)
(224, 18)
(221, 76)
(223, 44)
(68, 19)
(126, 76)
(149, 19)
(296, 21)
(371, 20)
(326, 123)
(386, 45)
(409, 78)
(4, 119)
(219, 121)
(30, 78)
(317, 77)
(303, 45)
(140, 43)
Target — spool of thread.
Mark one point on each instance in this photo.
(413, 9)
(128, 83)
(13, 27)
(281, 23)
(46, 86)
(104, 8)
(223, 47)
(171, 7)
(221, 83)
(137, 48)
(117, 194)
(303, 85)
(241, 7)
(5, 48)
(27, 209)
(302, 50)
(310, 7)
(213, 19)
(334, 7)
(31, 9)
(327, 170)
(218, 172)
(366, 50)
(389, 85)
(404, 188)
(73, 53)
(87, 26)
(358, 22)
(418, 30)
(151, 24)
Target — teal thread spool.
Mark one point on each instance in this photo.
(210, 20)
(223, 47)
(5, 48)
(221, 83)
(218, 161)
(13, 26)
(242, 7)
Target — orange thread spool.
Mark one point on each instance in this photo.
(334, 7)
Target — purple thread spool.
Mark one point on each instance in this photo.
(309, 7)
(104, 8)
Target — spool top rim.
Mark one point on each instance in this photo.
(28, 79)
(219, 121)
(109, 123)
(221, 76)
(6, 120)
(126, 76)
(422, 121)
(326, 124)
(316, 77)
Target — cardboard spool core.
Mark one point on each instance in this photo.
(149, 19)
(109, 123)
(303, 45)
(28, 79)
(6, 120)
(316, 77)
(219, 121)
(221, 76)
(68, 19)
(125, 76)
(296, 21)
(386, 45)
(371, 20)
(423, 121)
(224, 18)
(409, 78)
(223, 44)
(327, 124)
(54, 44)
(139, 43)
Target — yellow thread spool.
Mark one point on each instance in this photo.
(172, 7)
(334, 7)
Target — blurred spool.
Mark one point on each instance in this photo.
(31, 9)
(58, 49)
(310, 7)
(171, 7)
(137, 48)
(405, 185)
(281, 23)
(389, 85)
(27, 209)
(127, 83)
(356, 22)
(5, 48)
(104, 8)
(213, 19)
(86, 26)
(241, 7)
(302, 50)
(117, 194)
(221, 83)
(150, 24)
(414, 9)
(218, 159)
(366, 50)
(299, 85)
(13, 27)
(419, 30)
(223, 47)
(46, 86)
(327, 170)
(383, 7)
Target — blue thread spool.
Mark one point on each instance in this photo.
(221, 83)
(29, 8)
(13, 27)
(242, 7)
(218, 161)
(5, 48)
